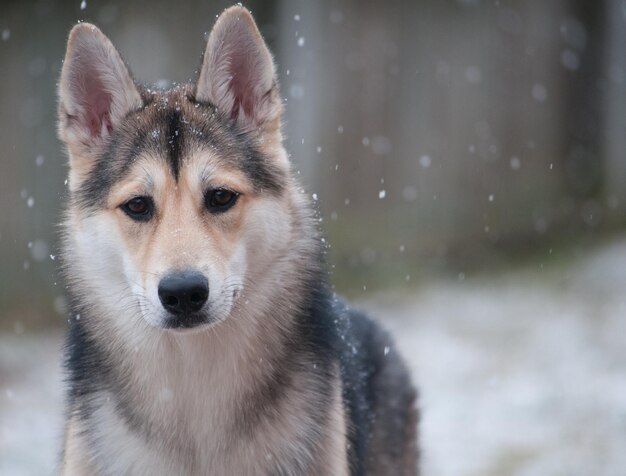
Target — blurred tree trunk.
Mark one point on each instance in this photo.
(583, 40)
(614, 138)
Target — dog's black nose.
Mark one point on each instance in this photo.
(184, 293)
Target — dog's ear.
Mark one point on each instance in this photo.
(238, 75)
(95, 91)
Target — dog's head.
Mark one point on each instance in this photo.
(178, 198)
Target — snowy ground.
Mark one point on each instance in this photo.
(521, 374)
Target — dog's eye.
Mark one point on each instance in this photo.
(220, 200)
(139, 208)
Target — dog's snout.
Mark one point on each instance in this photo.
(183, 293)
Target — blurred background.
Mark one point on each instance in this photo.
(468, 160)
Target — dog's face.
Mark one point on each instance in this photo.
(177, 197)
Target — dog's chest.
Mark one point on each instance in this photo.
(162, 440)
(204, 423)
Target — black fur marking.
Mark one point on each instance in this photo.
(223, 135)
(88, 370)
(377, 393)
(110, 166)
(94, 190)
(174, 138)
(83, 362)
(356, 367)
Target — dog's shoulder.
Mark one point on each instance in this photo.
(379, 398)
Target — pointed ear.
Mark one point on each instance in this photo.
(95, 91)
(237, 73)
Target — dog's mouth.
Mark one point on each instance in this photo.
(187, 321)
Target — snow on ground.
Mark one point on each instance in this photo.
(31, 412)
(522, 373)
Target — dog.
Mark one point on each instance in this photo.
(204, 338)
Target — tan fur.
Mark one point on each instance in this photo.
(75, 457)
(333, 455)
